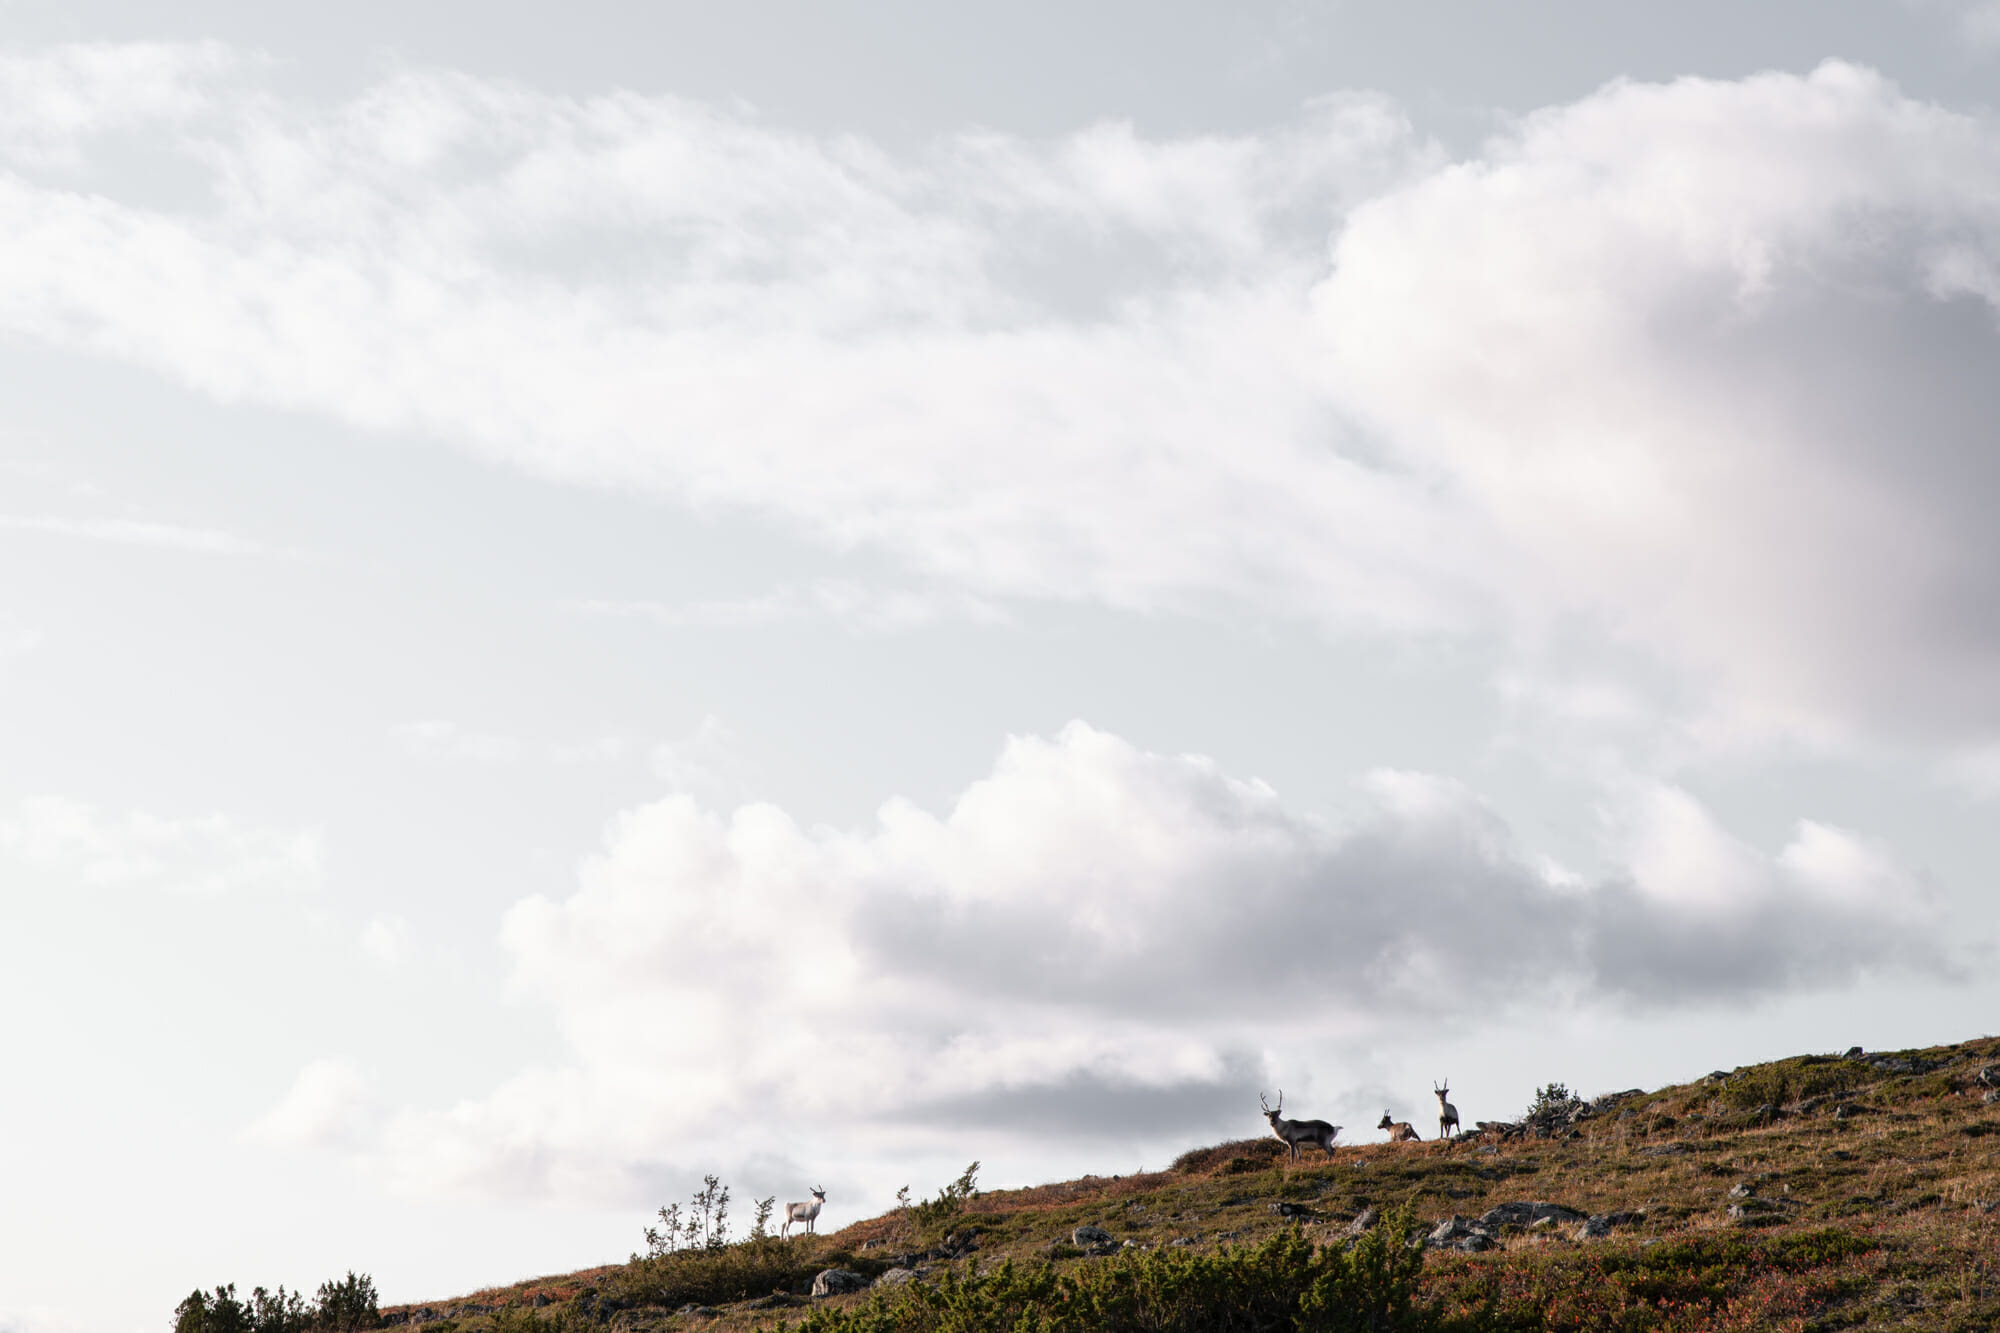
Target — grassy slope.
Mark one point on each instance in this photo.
(1904, 1185)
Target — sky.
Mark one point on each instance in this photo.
(593, 595)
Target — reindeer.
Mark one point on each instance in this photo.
(1400, 1131)
(1298, 1133)
(1447, 1113)
(802, 1212)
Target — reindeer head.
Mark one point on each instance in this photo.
(1269, 1114)
(1386, 1121)
(819, 1195)
(1442, 1092)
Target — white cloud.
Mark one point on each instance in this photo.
(386, 940)
(708, 764)
(855, 605)
(1702, 355)
(53, 100)
(332, 1103)
(133, 532)
(606, 749)
(1700, 367)
(40, 1319)
(1094, 926)
(438, 739)
(207, 855)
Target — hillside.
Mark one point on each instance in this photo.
(1817, 1192)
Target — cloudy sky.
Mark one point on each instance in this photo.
(815, 592)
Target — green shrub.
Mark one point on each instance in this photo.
(1283, 1284)
(342, 1307)
(755, 1267)
(933, 1218)
(346, 1306)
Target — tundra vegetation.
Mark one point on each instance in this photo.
(1816, 1193)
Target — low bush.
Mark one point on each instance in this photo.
(1285, 1283)
(1229, 1158)
(755, 1267)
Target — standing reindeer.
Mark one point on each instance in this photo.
(1447, 1113)
(802, 1212)
(1400, 1131)
(1298, 1133)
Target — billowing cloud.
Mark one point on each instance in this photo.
(1716, 362)
(1094, 931)
(203, 854)
(1700, 371)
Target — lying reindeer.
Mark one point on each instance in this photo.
(1400, 1131)
(1298, 1133)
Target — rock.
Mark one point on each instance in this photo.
(875, 1244)
(1753, 1210)
(1086, 1236)
(1599, 1225)
(1848, 1110)
(1287, 1209)
(1182, 1240)
(693, 1311)
(1853, 1053)
(777, 1300)
(1526, 1214)
(1461, 1233)
(1363, 1220)
(1988, 1077)
(837, 1282)
(898, 1277)
(539, 1299)
(1741, 1190)
(1674, 1149)
(1990, 1097)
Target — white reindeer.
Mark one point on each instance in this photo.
(1447, 1113)
(802, 1212)
(1298, 1133)
(1400, 1131)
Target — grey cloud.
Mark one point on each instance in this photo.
(1426, 904)
(1087, 1104)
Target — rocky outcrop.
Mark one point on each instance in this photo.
(1525, 1214)
(1599, 1225)
(1093, 1240)
(836, 1282)
(1460, 1233)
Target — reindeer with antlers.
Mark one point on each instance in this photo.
(1298, 1133)
(1400, 1131)
(1447, 1113)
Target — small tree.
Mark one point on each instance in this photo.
(761, 1228)
(934, 1217)
(347, 1305)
